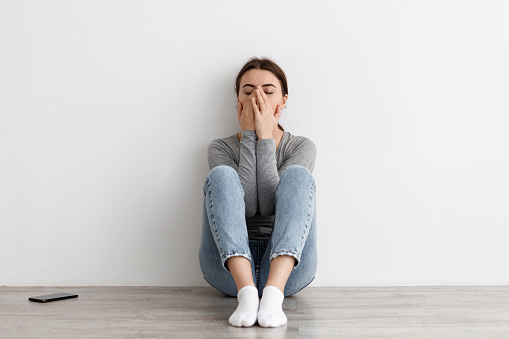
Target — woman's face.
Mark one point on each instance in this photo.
(269, 83)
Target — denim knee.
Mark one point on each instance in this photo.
(295, 201)
(222, 173)
(296, 172)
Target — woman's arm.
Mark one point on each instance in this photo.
(298, 151)
(301, 151)
(220, 154)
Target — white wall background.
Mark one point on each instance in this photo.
(107, 108)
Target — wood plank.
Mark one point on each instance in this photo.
(360, 312)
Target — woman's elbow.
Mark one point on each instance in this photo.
(250, 212)
(267, 210)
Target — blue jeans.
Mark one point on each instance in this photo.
(224, 233)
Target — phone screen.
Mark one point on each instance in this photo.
(52, 297)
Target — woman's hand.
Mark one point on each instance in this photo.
(266, 119)
(246, 114)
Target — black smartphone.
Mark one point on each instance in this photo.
(52, 297)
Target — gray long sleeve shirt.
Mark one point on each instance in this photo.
(259, 165)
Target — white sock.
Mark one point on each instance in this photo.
(271, 308)
(247, 310)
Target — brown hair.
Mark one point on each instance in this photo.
(265, 64)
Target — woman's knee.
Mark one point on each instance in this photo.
(222, 175)
(296, 176)
(222, 172)
(296, 172)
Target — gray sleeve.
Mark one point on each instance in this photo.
(220, 154)
(303, 154)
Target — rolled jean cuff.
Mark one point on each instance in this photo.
(230, 254)
(287, 252)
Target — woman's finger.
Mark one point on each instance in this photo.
(250, 97)
(264, 96)
(260, 98)
(255, 106)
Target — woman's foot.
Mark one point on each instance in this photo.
(246, 313)
(271, 308)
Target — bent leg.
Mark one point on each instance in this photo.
(304, 274)
(294, 232)
(224, 231)
(295, 211)
(224, 203)
(225, 257)
(210, 261)
(292, 257)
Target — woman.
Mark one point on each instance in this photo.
(259, 222)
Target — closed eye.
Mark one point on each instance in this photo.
(246, 93)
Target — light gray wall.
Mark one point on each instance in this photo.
(107, 108)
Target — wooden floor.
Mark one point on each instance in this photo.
(201, 312)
